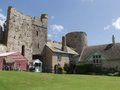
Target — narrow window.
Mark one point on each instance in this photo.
(97, 61)
(23, 50)
(94, 61)
(99, 56)
(59, 57)
(37, 33)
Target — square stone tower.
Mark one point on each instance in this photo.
(26, 34)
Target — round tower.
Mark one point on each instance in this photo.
(76, 40)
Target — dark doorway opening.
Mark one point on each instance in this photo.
(23, 50)
(37, 57)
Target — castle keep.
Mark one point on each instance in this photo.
(25, 34)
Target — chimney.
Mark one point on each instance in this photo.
(64, 47)
(113, 40)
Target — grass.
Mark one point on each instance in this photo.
(42, 81)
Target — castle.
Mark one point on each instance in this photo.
(25, 34)
(28, 35)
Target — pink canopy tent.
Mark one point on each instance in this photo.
(18, 61)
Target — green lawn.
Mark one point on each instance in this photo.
(41, 81)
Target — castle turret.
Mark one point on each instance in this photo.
(77, 40)
(44, 19)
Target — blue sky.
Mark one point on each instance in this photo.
(100, 19)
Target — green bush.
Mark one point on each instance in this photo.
(84, 69)
(66, 66)
(60, 70)
(97, 70)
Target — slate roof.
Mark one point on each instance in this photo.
(110, 51)
(56, 47)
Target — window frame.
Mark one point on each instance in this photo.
(59, 57)
(97, 59)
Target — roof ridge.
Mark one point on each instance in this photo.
(102, 44)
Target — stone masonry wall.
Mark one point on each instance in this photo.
(39, 34)
(76, 40)
(1, 34)
(26, 31)
(19, 32)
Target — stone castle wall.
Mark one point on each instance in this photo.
(25, 33)
(39, 34)
(19, 32)
(76, 40)
(1, 34)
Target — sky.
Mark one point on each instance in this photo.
(100, 19)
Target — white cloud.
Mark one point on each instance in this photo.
(56, 28)
(116, 23)
(55, 31)
(49, 35)
(107, 27)
(2, 18)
